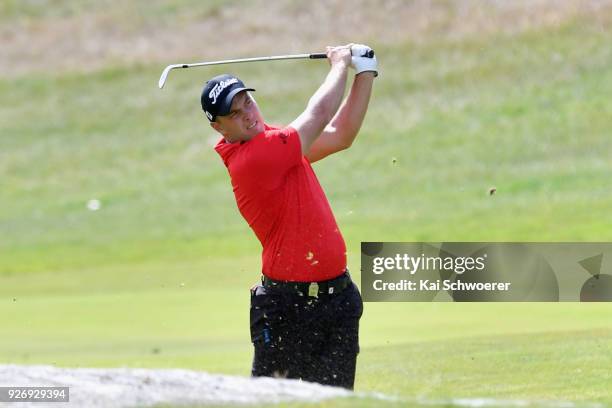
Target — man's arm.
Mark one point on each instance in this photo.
(343, 128)
(325, 102)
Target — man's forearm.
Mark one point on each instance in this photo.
(326, 100)
(346, 123)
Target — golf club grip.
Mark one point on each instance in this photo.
(317, 56)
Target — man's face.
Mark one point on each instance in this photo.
(244, 120)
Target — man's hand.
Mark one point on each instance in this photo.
(363, 59)
(339, 55)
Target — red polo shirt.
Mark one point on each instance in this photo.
(278, 194)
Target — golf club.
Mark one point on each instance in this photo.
(164, 75)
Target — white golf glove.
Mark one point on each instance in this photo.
(363, 59)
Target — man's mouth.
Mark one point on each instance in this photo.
(252, 125)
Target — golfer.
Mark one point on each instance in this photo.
(305, 315)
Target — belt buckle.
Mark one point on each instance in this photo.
(313, 289)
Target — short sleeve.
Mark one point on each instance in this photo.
(269, 156)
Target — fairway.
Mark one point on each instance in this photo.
(159, 275)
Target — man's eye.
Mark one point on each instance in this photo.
(248, 102)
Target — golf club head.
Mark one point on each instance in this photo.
(164, 75)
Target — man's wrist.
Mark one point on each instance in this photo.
(342, 64)
(366, 74)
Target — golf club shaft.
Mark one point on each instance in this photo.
(272, 58)
(164, 75)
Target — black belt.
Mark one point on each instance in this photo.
(312, 289)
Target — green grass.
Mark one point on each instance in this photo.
(159, 276)
(131, 15)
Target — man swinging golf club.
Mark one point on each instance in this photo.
(305, 315)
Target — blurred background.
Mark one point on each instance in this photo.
(120, 241)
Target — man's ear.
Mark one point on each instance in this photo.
(217, 127)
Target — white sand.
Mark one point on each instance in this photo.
(127, 387)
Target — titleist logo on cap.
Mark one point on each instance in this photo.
(216, 91)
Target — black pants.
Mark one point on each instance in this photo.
(315, 339)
